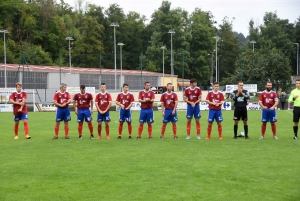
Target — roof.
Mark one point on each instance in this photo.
(56, 69)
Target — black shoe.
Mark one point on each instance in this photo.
(150, 137)
(92, 137)
(120, 137)
(235, 137)
(55, 138)
(138, 138)
(67, 137)
(80, 136)
(247, 138)
(295, 138)
(161, 137)
(129, 137)
(175, 137)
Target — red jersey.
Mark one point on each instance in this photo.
(125, 99)
(192, 94)
(18, 97)
(62, 98)
(146, 94)
(215, 97)
(268, 98)
(83, 100)
(103, 100)
(168, 100)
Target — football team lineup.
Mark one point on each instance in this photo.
(83, 106)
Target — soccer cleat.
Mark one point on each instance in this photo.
(129, 137)
(161, 137)
(247, 138)
(27, 137)
(295, 138)
(235, 137)
(138, 137)
(55, 137)
(150, 137)
(275, 138)
(198, 138)
(67, 137)
(107, 137)
(119, 137)
(175, 137)
(261, 138)
(92, 137)
(16, 137)
(207, 138)
(188, 137)
(99, 137)
(80, 137)
(220, 138)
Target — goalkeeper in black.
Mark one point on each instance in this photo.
(240, 98)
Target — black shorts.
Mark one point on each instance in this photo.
(240, 113)
(296, 114)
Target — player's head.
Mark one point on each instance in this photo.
(63, 87)
(193, 82)
(19, 87)
(82, 89)
(125, 87)
(103, 87)
(269, 86)
(240, 85)
(298, 83)
(216, 86)
(147, 86)
(169, 87)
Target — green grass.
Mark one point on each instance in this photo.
(46, 169)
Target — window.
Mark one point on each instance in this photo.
(34, 80)
(89, 80)
(134, 81)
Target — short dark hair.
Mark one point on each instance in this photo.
(268, 82)
(193, 80)
(240, 82)
(125, 85)
(215, 83)
(298, 80)
(169, 84)
(102, 83)
(82, 86)
(146, 83)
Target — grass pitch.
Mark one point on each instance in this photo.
(46, 169)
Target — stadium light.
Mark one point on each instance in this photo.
(163, 48)
(217, 39)
(4, 44)
(115, 49)
(172, 69)
(121, 44)
(69, 39)
(253, 42)
(297, 58)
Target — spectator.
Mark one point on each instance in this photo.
(282, 99)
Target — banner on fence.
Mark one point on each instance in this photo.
(252, 88)
(6, 108)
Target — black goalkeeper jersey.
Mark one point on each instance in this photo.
(240, 101)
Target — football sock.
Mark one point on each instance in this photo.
(235, 129)
(129, 128)
(26, 128)
(99, 129)
(188, 129)
(56, 129)
(273, 126)
(174, 127)
(246, 130)
(140, 130)
(163, 129)
(16, 129)
(107, 130)
(198, 129)
(80, 128)
(209, 127)
(263, 129)
(66, 130)
(90, 125)
(149, 130)
(295, 130)
(220, 130)
(120, 128)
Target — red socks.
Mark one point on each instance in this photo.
(174, 128)
(188, 129)
(90, 125)
(220, 130)
(56, 129)
(198, 129)
(149, 130)
(209, 130)
(273, 126)
(66, 130)
(263, 129)
(129, 128)
(140, 130)
(80, 128)
(120, 128)
(99, 129)
(163, 129)
(16, 129)
(107, 130)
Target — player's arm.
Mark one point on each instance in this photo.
(109, 104)
(199, 99)
(275, 104)
(15, 103)
(292, 97)
(152, 98)
(92, 105)
(23, 103)
(246, 95)
(162, 109)
(175, 107)
(75, 105)
(208, 100)
(97, 104)
(140, 98)
(260, 102)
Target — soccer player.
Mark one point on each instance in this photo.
(240, 98)
(268, 101)
(294, 97)
(18, 99)
(103, 102)
(125, 100)
(215, 99)
(62, 99)
(146, 98)
(83, 106)
(192, 96)
(169, 102)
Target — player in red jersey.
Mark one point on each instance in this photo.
(215, 99)
(125, 100)
(103, 102)
(146, 98)
(268, 100)
(18, 99)
(192, 96)
(169, 102)
(62, 99)
(83, 106)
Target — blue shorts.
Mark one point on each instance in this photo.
(84, 115)
(103, 117)
(268, 115)
(215, 115)
(193, 112)
(169, 117)
(125, 115)
(146, 115)
(63, 114)
(19, 117)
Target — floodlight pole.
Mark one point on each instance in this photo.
(217, 39)
(4, 32)
(115, 50)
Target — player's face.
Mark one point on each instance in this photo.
(269, 87)
(147, 86)
(103, 88)
(216, 87)
(169, 87)
(298, 84)
(63, 89)
(241, 86)
(194, 84)
(82, 91)
(19, 88)
(125, 89)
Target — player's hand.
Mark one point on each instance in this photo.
(295, 97)
(272, 108)
(265, 107)
(147, 99)
(163, 114)
(173, 112)
(192, 104)
(21, 103)
(91, 111)
(76, 112)
(122, 106)
(20, 110)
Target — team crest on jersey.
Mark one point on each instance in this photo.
(271, 95)
(172, 96)
(218, 96)
(105, 96)
(85, 96)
